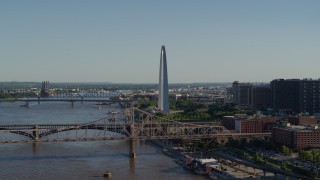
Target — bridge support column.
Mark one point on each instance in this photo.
(38, 100)
(35, 132)
(275, 176)
(132, 151)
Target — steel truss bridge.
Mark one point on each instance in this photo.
(131, 124)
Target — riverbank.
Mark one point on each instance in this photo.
(167, 150)
(174, 152)
(227, 166)
(8, 99)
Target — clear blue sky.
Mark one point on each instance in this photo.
(119, 41)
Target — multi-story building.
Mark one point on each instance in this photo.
(229, 121)
(310, 96)
(253, 124)
(302, 120)
(261, 97)
(285, 94)
(242, 94)
(257, 124)
(255, 97)
(296, 137)
(296, 95)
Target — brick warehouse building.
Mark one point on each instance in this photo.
(302, 120)
(228, 121)
(297, 137)
(253, 124)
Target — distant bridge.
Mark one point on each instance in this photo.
(101, 101)
(71, 100)
(104, 98)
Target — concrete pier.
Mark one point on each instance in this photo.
(132, 151)
(35, 132)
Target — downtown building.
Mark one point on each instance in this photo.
(242, 94)
(249, 96)
(293, 96)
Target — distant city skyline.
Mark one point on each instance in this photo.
(118, 41)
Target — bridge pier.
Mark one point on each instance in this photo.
(35, 132)
(132, 151)
(38, 100)
(133, 142)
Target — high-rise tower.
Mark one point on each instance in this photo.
(163, 100)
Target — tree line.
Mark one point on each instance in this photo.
(190, 110)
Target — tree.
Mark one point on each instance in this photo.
(302, 153)
(317, 158)
(284, 166)
(258, 157)
(233, 143)
(286, 150)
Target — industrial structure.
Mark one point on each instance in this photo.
(45, 92)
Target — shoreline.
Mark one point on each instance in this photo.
(173, 153)
(176, 154)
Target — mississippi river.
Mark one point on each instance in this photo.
(77, 160)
